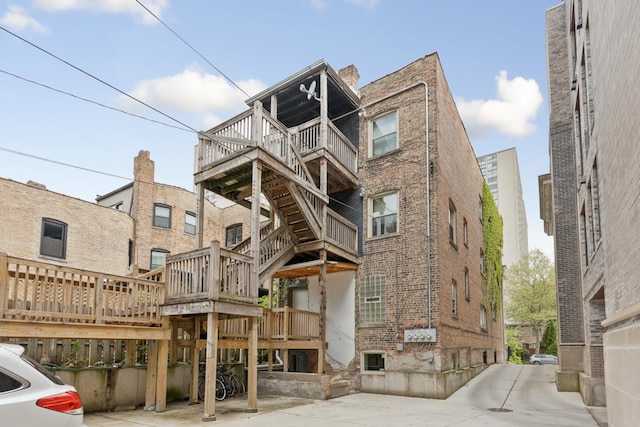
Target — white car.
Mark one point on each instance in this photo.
(31, 396)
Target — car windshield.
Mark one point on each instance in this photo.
(42, 370)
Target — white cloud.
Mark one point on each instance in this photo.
(17, 19)
(109, 6)
(320, 4)
(511, 114)
(192, 92)
(369, 4)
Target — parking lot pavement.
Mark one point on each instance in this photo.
(503, 395)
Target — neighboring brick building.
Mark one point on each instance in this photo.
(118, 234)
(593, 64)
(41, 225)
(423, 240)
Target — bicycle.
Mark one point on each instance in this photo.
(234, 386)
(221, 390)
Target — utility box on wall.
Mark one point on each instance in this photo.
(420, 335)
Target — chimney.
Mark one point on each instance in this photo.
(143, 167)
(350, 76)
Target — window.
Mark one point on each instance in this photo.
(372, 299)
(494, 311)
(482, 262)
(465, 232)
(162, 216)
(383, 211)
(384, 134)
(53, 241)
(130, 258)
(373, 361)
(157, 257)
(481, 209)
(118, 206)
(454, 298)
(452, 222)
(190, 223)
(234, 235)
(467, 295)
(8, 383)
(483, 318)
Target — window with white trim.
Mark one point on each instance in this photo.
(383, 214)
(465, 232)
(483, 318)
(454, 298)
(384, 134)
(452, 223)
(373, 361)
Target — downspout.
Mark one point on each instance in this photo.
(428, 171)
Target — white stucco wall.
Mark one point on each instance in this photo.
(340, 315)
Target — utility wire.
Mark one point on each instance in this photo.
(192, 48)
(96, 78)
(93, 102)
(63, 164)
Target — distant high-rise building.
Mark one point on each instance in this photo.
(502, 173)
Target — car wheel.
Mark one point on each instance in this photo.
(536, 363)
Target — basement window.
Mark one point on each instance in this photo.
(373, 361)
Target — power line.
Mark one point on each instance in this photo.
(44, 159)
(192, 48)
(93, 102)
(96, 78)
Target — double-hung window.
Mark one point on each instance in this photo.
(190, 223)
(157, 257)
(452, 223)
(383, 212)
(384, 134)
(161, 216)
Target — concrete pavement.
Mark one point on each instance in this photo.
(503, 395)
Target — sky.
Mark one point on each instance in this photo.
(69, 70)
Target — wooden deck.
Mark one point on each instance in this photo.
(51, 301)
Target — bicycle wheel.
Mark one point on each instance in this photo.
(238, 385)
(221, 392)
(201, 389)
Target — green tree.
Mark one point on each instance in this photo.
(531, 293)
(549, 339)
(515, 346)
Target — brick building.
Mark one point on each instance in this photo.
(128, 229)
(422, 251)
(593, 61)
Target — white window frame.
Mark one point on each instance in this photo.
(483, 318)
(372, 140)
(364, 365)
(190, 225)
(373, 216)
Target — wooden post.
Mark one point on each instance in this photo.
(130, 355)
(256, 191)
(200, 216)
(252, 366)
(173, 351)
(4, 282)
(161, 379)
(323, 309)
(152, 368)
(195, 362)
(211, 369)
(256, 123)
(99, 308)
(214, 271)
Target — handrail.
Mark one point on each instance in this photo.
(276, 324)
(32, 290)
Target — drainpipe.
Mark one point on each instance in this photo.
(428, 171)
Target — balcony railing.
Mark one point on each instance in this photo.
(210, 273)
(34, 291)
(341, 231)
(282, 324)
(308, 139)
